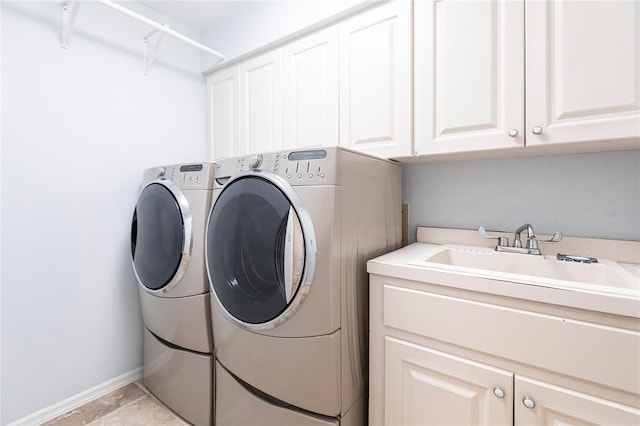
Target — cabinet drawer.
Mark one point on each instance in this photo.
(600, 354)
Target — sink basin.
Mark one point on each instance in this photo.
(605, 275)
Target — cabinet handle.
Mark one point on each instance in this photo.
(502, 241)
(513, 133)
(293, 255)
(537, 130)
(528, 402)
(499, 392)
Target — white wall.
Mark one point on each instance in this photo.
(78, 128)
(261, 23)
(584, 195)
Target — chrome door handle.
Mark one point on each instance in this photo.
(513, 133)
(537, 130)
(293, 255)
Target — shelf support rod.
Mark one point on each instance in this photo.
(164, 28)
(69, 13)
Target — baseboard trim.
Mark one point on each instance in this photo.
(80, 399)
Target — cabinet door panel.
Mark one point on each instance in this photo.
(583, 68)
(311, 91)
(469, 75)
(428, 387)
(223, 113)
(375, 81)
(261, 103)
(555, 405)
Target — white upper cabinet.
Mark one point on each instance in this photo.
(260, 91)
(375, 81)
(349, 84)
(469, 75)
(311, 90)
(581, 83)
(428, 77)
(583, 71)
(222, 98)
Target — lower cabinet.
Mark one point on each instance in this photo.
(428, 387)
(539, 403)
(439, 359)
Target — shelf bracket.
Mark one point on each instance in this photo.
(152, 42)
(69, 13)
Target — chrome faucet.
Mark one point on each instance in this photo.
(532, 243)
(531, 236)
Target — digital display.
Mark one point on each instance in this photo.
(307, 155)
(191, 168)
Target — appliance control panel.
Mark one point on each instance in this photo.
(302, 167)
(185, 176)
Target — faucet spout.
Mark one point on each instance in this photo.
(528, 228)
(530, 234)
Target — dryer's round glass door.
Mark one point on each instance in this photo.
(157, 236)
(255, 250)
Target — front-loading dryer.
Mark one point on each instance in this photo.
(167, 248)
(287, 241)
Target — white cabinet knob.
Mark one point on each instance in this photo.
(528, 402)
(513, 133)
(537, 130)
(499, 392)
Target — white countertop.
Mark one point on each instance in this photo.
(405, 264)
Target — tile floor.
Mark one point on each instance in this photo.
(129, 405)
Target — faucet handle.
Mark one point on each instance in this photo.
(557, 237)
(502, 241)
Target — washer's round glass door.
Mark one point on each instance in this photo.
(157, 237)
(256, 254)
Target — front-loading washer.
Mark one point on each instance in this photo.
(167, 248)
(287, 241)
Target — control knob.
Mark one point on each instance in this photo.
(255, 161)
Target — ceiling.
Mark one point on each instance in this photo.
(198, 14)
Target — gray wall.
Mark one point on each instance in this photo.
(584, 195)
(78, 128)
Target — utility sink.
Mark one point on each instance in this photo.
(605, 275)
